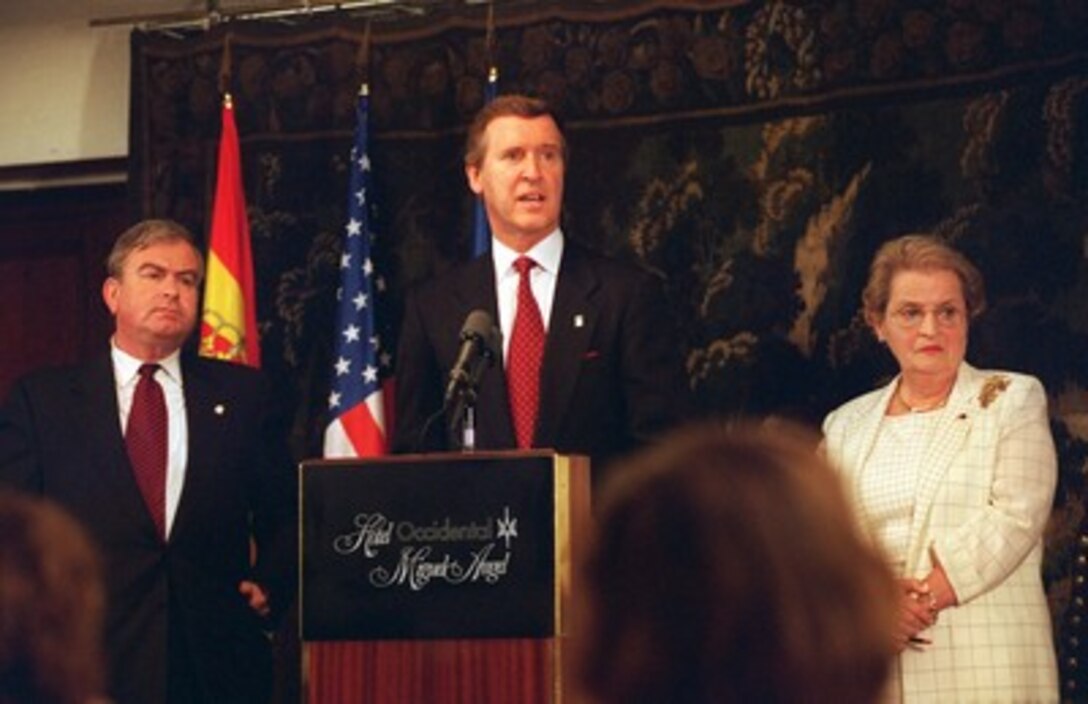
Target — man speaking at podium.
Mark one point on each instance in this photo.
(589, 362)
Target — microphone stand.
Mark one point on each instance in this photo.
(462, 419)
(468, 430)
(479, 340)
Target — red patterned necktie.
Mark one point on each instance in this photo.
(526, 351)
(145, 437)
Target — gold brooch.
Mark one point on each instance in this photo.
(993, 388)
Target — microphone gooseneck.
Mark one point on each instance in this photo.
(480, 340)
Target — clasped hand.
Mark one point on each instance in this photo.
(917, 612)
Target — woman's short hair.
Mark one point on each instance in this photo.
(727, 568)
(919, 252)
(51, 606)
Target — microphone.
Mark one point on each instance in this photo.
(480, 338)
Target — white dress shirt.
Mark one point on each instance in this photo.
(126, 374)
(547, 254)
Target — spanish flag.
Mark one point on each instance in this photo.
(228, 329)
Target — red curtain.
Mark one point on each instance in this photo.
(497, 671)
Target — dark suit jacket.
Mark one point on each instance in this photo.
(173, 605)
(611, 378)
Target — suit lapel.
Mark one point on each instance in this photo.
(475, 290)
(862, 430)
(865, 426)
(953, 428)
(570, 329)
(94, 394)
(206, 410)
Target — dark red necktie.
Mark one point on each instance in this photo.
(145, 437)
(523, 358)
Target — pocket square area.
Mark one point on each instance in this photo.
(591, 354)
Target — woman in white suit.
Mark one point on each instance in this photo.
(952, 471)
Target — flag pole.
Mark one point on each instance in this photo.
(359, 423)
(481, 230)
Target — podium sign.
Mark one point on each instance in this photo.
(427, 547)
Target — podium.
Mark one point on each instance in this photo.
(441, 578)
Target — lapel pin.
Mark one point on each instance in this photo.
(219, 409)
(579, 320)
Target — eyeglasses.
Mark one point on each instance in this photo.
(911, 316)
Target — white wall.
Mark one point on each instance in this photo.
(64, 86)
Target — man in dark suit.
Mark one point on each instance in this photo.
(193, 576)
(611, 374)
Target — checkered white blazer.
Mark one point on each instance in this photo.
(984, 496)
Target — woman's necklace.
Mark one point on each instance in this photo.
(940, 403)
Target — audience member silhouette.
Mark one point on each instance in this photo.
(51, 606)
(727, 568)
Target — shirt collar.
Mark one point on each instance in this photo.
(547, 253)
(126, 367)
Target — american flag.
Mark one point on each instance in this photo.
(362, 364)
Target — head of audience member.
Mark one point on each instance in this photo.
(51, 606)
(515, 159)
(919, 300)
(727, 568)
(153, 288)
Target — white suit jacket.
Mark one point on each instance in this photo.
(984, 496)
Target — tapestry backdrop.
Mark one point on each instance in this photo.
(752, 154)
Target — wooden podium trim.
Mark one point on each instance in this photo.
(572, 526)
